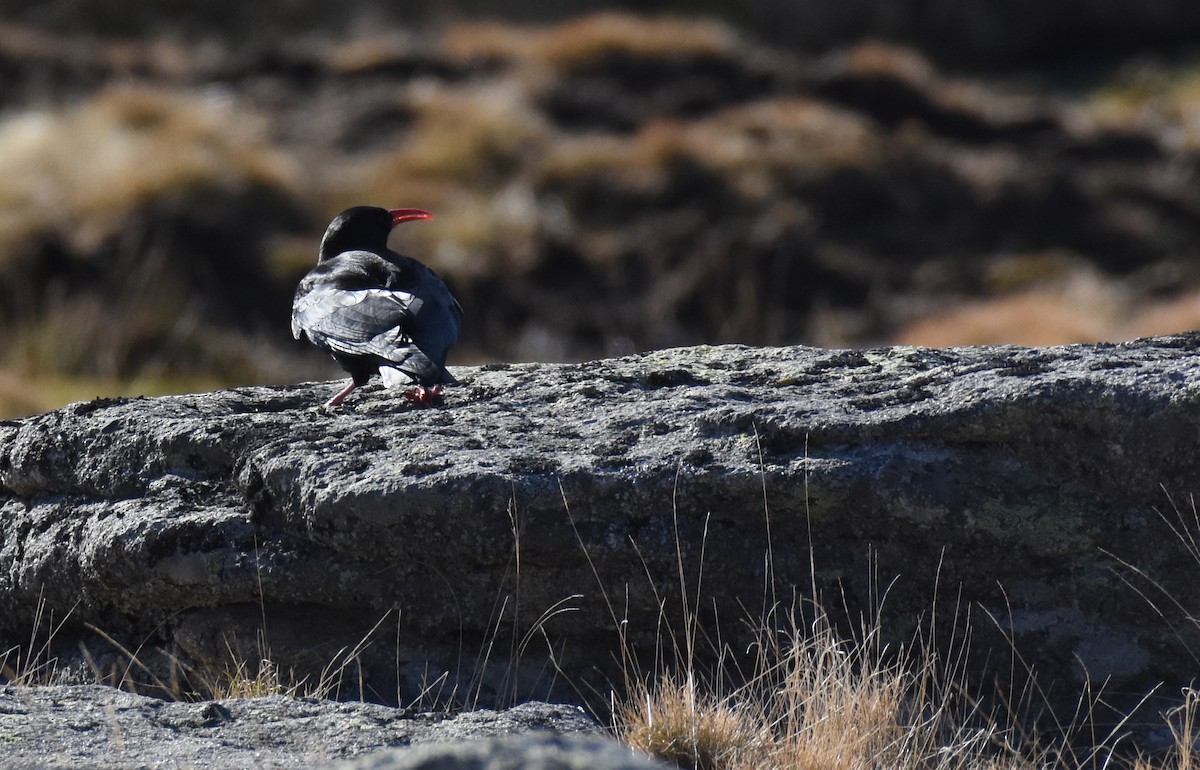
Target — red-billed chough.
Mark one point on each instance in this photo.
(376, 311)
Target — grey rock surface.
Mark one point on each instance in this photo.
(504, 546)
(540, 751)
(102, 727)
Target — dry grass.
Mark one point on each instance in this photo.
(757, 148)
(1047, 316)
(839, 707)
(1163, 99)
(817, 699)
(579, 40)
(1081, 307)
(98, 262)
(22, 394)
(464, 159)
(476, 134)
(482, 127)
(1167, 316)
(240, 678)
(87, 53)
(1184, 724)
(683, 723)
(79, 171)
(35, 663)
(470, 149)
(814, 701)
(810, 698)
(369, 52)
(957, 94)
(751, 144)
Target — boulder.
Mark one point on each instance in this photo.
(540, 751)
(101, 727)
(544, 532)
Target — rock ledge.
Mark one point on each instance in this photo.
(449, 554)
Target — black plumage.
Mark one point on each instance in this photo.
(376, 311)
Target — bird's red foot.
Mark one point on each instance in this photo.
(424, 396)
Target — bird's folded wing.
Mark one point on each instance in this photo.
(362, 321)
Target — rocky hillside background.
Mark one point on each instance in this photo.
(965, 33)
(603, 184)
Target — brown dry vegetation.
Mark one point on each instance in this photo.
(576, 42)
(604, 185)
(816, 700)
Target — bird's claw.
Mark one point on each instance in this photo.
(424, 396)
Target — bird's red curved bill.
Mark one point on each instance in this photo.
(408, 215)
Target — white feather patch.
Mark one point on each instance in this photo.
(394, 378)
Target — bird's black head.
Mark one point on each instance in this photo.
(364, 227)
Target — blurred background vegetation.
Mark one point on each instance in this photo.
(848, 174)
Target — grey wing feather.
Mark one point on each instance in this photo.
(362, 322)
(385, 323)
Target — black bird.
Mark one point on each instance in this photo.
(376, 311)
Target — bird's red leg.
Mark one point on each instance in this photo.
(341, 396)
(424, 396)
